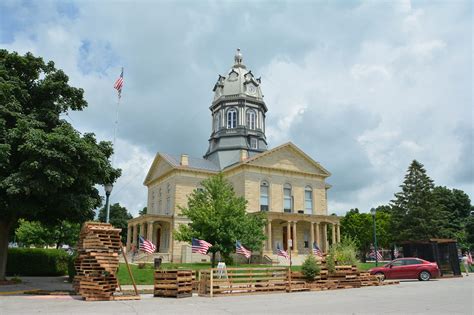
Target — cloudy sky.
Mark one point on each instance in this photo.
(364, 87)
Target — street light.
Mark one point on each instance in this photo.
(108, 190)
(372, 211)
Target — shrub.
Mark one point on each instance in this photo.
(71, 269)
(310, 268)
(330, 259)
(37, 262)
(345, 252)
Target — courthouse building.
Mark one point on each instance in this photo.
(284, 181)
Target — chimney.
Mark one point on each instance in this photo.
(184, 160)
(243, 155)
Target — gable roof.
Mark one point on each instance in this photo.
(290, 145)
(173, 161)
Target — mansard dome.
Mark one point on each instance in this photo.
(238, 82)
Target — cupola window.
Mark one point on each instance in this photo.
(251, 119)
(232, 118)
(217, 121)
(253, 143)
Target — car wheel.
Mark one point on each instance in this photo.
(424, 276)
(380, 275)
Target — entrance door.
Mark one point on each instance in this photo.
(158, 239)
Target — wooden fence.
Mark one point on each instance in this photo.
(242, 281)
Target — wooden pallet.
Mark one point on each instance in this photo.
(176, 283)
(97, 262)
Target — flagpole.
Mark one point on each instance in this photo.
(119, 96)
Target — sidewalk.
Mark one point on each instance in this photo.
(55, 284)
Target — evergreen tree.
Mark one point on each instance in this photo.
(415, 213)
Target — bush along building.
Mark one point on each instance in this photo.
(284, 181)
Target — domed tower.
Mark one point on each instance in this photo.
(238, 116)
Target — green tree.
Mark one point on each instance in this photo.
(119, 217)
(218, 216)
(48, 170)
(415, 213)
(359, 227)
(456, 207)
(470, 232)
(143, 211)
(33, 233)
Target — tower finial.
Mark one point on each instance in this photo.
(238, 57)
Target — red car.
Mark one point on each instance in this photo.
(408, 268)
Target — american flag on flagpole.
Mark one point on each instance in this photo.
(239, 249)
(316, 250)
(200, 246)
(379, 255)
(119, 84)
(281, 252)
(147, 246)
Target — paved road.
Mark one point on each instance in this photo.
(450, 296)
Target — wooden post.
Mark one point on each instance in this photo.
(289, 278)
(130, 272)
(212, 282)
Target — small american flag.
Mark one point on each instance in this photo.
(147, 246)
(119, 84)
(200, 246)
(316, 250)
(379, 255)
(239, 249)
(281, 252)
(396, 253)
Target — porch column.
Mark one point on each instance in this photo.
(338, 227)
(333, 233)
(170, 245)
(269, 236)
(295, 242)
(325, 237)
(149, 231)
(318, 236)
(312, 236)
(134, 240)
(288, 234)
(129, 237)
(142, 229)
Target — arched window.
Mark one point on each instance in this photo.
(287, 198)
(251, 119)
(231, 118)
(308, 200)
(264, 198)
(217, 121)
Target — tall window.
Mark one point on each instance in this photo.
(264, 196)
(253, 143)
(251, 119)
(159, 201)
(287, 202)
(231, 118)
(153, 201)
(168, 200)
(308, 200)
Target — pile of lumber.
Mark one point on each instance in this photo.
(173, 283)
(97, 261)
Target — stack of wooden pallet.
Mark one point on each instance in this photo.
(173, 283)
(97, 261)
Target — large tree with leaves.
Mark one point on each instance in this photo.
(48, 170)
(219, 217)
(416, 215)
(33, 233)
(118, 217)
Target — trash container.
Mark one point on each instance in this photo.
(158, 262)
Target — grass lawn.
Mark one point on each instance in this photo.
(145, 275)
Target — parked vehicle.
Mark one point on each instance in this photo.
(408, 268)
